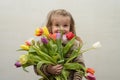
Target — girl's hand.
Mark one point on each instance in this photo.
(54, 69)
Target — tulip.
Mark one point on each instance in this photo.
(70, 35)
(96, 45)
(44, 40)
(52, 36)
(24, 47)
(23, 59)
(17, 64)
(38, 31)
(64, 39)
(58, 35)
(90, 70)
(29, 42)
(45, 31)
(89, 76)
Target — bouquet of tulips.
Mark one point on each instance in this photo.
(49, 49)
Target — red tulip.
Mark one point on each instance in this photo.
(70, 35)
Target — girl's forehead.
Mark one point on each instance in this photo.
(60, 18)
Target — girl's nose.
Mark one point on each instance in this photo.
(61, 28)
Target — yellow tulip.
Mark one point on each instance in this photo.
(45, 31)
(23, 59)
(24, 47)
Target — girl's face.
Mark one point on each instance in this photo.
(59, 23)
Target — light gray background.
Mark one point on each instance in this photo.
(96, 20)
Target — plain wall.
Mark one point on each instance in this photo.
(96, 20)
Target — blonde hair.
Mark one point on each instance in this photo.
(63, 13)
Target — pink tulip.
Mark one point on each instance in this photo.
(90, 76)
(58, 35)
(29, 41)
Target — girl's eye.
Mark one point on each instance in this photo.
(65, 25)
(57, 25)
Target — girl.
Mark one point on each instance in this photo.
(59, 20)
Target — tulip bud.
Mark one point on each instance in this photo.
(24, 47)
(45, 31)
(23, 59)
(70, 35)
(96, 45)
(17, 64)
(89, 76)
(52, 36)
(38, 31)
(44, 40)
(90, 70)
(29, 42)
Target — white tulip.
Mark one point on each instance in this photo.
(96, 45)
(64, 39)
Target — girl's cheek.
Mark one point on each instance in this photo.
(66, 31)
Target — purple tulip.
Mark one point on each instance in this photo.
(18, 64)
(90, 76)
(44, 40)
(58, 35)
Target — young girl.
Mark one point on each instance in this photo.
(59, 20)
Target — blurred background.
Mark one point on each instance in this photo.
(96, 20)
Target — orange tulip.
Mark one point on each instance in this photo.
(90, 70)
(38, 31)
(52, 36)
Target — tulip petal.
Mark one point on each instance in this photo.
(45, 31)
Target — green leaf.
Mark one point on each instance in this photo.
(74, 66)
(68, 46)
(44, 56)
(75, 53)
(58, 77)
(56, 57)
(24, 68)
(44, 48)
(65, 74)
(60, 61)
(59, 47)
(31, 49)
